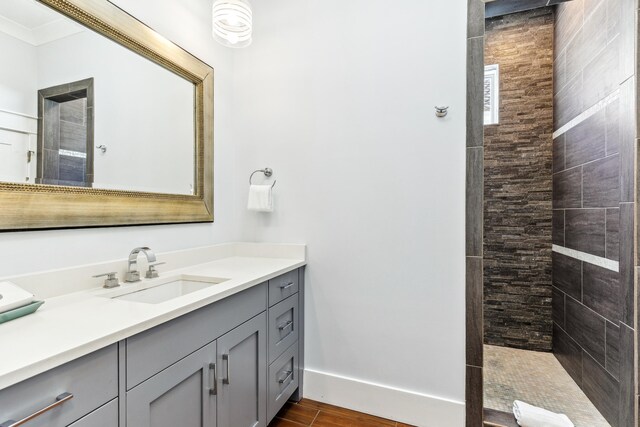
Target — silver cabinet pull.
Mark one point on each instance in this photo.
(226, 380)
(213, 379)
(285, 325)
(64, 397)
(287, 286)
(287, 376)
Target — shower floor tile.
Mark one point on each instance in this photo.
(538, 379)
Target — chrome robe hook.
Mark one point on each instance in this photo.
(442, 111)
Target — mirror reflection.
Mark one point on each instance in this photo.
(77, 109)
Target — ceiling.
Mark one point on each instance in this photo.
(34, 23)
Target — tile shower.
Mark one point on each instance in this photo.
(518, 187)
(559, 206)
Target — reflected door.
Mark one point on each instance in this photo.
(15, 157)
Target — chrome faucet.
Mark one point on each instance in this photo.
(133, 275)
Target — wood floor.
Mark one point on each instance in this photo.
(311, 413)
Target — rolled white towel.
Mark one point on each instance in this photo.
(532, 416)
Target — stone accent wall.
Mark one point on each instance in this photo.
(518, 183)
(593, 202)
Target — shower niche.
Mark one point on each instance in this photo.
(66, 134)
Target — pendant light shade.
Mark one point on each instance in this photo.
(232, 22)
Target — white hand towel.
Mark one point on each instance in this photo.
(532, 416)
(260, 198)
(12, 296)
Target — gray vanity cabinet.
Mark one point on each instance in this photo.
(183, 395)
(233, 363)
(157, 348)
(223, 382)
(242, 358)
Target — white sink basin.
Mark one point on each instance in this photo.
(161, 290)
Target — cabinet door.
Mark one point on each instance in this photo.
(181, 395)
(242, 358)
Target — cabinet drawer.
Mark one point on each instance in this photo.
(283, 326)
(92, 380)
(106, 416)
(152, 351)
(282, 287)
(283, 380)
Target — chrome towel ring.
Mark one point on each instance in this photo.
(266, 171)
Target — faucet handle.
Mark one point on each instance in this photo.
(152, 273)
(111, 280)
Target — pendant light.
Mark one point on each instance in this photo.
(232, 23)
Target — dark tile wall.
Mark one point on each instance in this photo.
(517, 183)
(593, 200)
(65, 127)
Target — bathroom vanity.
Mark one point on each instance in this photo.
(229, 354)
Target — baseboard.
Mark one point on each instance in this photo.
(383, 401)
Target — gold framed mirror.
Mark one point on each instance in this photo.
(43, 201)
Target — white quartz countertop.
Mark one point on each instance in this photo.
(70, 326)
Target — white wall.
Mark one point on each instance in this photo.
(143, 113)
(187, 23)
(18, 76)
(338, 98)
